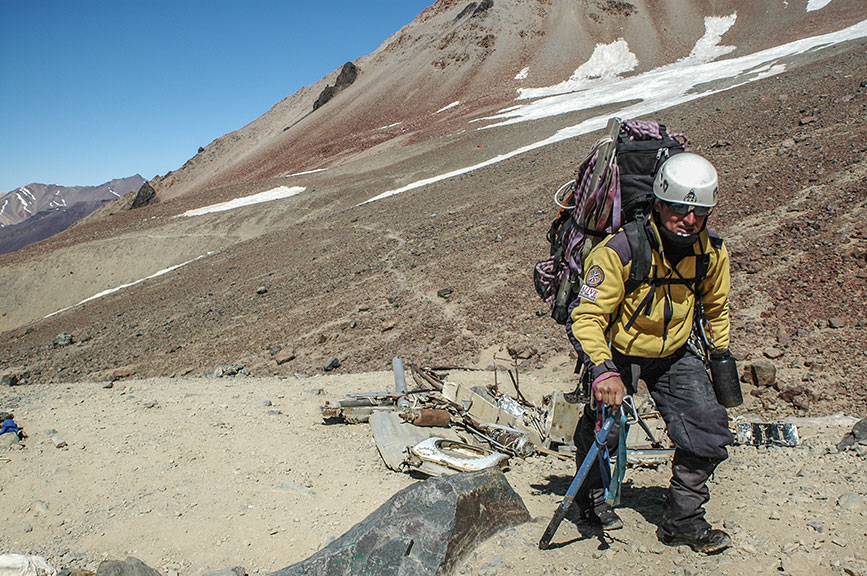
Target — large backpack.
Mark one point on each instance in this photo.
(613, 188)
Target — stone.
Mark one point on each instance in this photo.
(772, 352)
(848, 500)
(332, 364)
(9, 441)
(62, 339)
(387, 325)
(284, 356)
(789, 394)
(763, 373)
(129, 567)
(444, 293)
(858, 435)
(427, 528)
(836, 322)
(262, 290)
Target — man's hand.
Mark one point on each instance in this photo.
(609, 391)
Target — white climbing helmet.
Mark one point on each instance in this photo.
(687, 178)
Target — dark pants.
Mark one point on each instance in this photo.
(697, 425)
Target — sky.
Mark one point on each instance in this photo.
(92, 90)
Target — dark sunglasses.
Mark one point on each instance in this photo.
(684, 209)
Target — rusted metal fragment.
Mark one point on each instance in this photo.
(425, 529)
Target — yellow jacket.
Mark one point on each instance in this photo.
(667, 326)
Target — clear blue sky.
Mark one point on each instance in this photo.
(92, 90)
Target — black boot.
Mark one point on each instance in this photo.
(707, 541)
(596, 510)
(683, 521)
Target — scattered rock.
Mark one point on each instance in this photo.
(274, 350)
(284, 356)
(261, 290)
(387, 325)
(120, 374)
(858, 435)
(836, 322)
(849, 501)
(231, 371)
(763, 373)
(807, 120)
(772, 353)
(332, 364)
(62, 339)
(790, 393)
(444, 293)
(58, 441)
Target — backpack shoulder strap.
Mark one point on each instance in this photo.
(639, 246)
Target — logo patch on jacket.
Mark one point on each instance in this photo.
(595, 276)
(588, 293)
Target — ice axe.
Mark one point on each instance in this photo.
(580, 476)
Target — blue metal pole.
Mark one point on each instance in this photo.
(580, 476)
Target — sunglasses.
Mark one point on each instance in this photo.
(684, 209)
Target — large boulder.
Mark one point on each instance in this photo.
(345, 78)
(426, 528)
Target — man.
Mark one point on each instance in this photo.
(649, 331)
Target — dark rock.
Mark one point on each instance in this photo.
(836, 322)
(145, 195)
(468, 9)
(482, 7)
(129, 567)
(444, 292)
(858, 435)
(763, 373)
(346, 77)
(426, 528)
(332, 364)
(274, 350)
(262, 290)
(9, 380)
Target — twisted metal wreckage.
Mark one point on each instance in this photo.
(442, 427)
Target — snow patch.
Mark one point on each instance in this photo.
(390, 126)
(122, 286)
(305, 173)
(444, 108)
(608, 61)
(274, 194)
(658, 89)
(707, 48)
(522, 74)
(816, 4)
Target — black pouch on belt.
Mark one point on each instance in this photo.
(724, 373)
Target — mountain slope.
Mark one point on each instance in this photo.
(457, 52)
(362, 282)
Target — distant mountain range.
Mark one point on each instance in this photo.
(34, 212)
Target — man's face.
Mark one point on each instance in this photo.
(680, 224)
